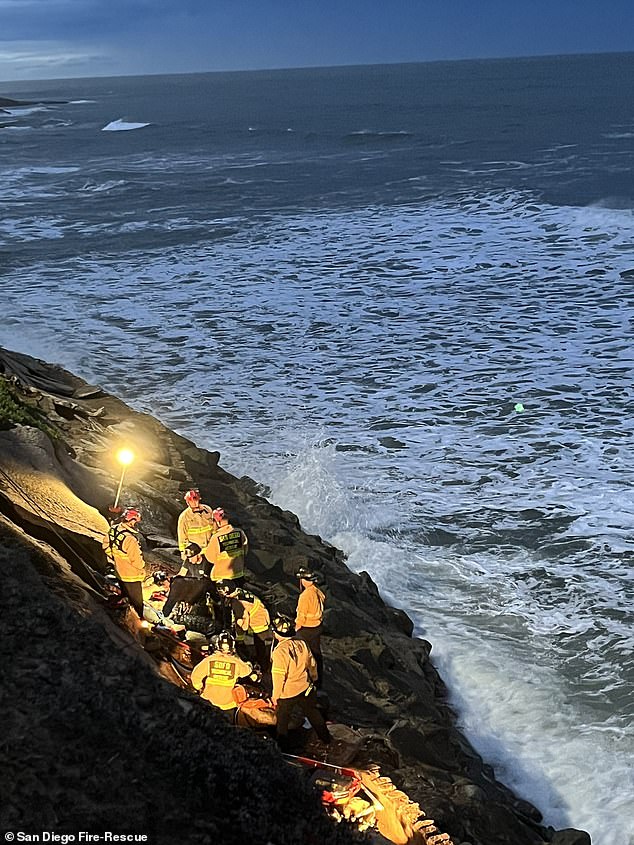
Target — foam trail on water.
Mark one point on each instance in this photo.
(514, 706)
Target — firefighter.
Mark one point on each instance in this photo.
(251, 616)
(195, 524)
(123, 550)
(309, 616)
(217, 674)
(226, 550)
(294, 674)
(191, 583)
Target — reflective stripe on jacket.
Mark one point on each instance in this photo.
(124, 551)
(293, 668)
(217, 675)
(310, 607)
(195, 527)
(226, 552)
(251, 612)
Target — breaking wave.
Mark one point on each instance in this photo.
(123, 126)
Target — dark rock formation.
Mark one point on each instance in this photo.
(8, 103)
(379, 679)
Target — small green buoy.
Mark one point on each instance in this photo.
(519, 407)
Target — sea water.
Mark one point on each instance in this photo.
(402, 299)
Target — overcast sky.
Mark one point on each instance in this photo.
(62, 38)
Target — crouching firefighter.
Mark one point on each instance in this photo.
(250, 617)
(217, 674)
(192, 582)
(123, 551)
(294, 675)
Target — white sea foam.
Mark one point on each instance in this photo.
(511, 700)
(23, 111)
(121, 125)
(102, 187)
(33, 229)
(387, 349)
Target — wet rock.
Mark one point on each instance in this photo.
(433, 746)
(528, 810)
(402, 620)
(570, 836)
(470, 792)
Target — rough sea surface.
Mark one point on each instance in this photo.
(346, 280)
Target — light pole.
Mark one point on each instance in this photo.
(125, 458)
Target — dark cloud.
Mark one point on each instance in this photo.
(153, 36)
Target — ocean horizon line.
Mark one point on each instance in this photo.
(325, 67)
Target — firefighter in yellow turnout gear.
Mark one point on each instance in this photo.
(226, 550)
(123, 550)
(250, 616)
(294, 673)
(216, 675)
(309, 616)
(195, 524)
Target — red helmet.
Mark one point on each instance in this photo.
(192, 496)
(218, 514)
(130, 513)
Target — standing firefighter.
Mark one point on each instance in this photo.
(226, 550)
(309, 617)
(294, 673)
(216, 675)
(195, 524)
(123, 550)
(251, 616)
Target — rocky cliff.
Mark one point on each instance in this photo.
(97, 739)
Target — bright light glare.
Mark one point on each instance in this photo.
(125, 457)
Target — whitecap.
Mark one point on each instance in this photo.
(121, 125)
(102, 186)
(21, 111)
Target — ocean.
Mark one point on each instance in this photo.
(402, 299)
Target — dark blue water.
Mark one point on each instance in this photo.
(405, 253)
(252, 143)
